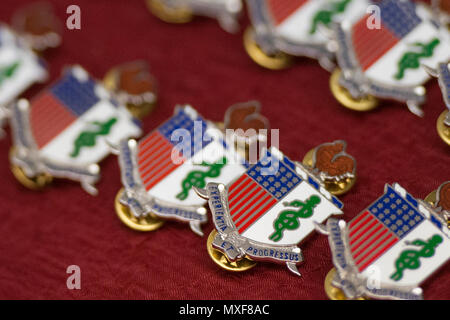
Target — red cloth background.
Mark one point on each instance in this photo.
(42, 233)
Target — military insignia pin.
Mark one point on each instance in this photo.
(266, 212)
(159, 171)
(34, 28)
(19, 69)
(382, 60)
(226, 12)
(66, 130)
(388, 250)
(38, 26)
(443, 122)
(282, 29)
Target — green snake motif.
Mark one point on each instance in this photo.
(410, 259)
(8, 71)
(88, 138)
(411, 60)
(326, 16)
(288, 219)
(197, 178)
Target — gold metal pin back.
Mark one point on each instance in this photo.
(222, 261)
(344, 97)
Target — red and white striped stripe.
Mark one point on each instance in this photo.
(369, 239)
(48, 118)
(282, 9)
(155, 160)
(371, 44)
(247, 199)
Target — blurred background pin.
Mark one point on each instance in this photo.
(442, 11)
(134, 86)
(66, 130)
(282, 30)
(227, 12)
(384, 61)
(246, 128)
(172, 14)
(37, 24)
(34, 29)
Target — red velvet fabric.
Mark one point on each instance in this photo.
(42, 233)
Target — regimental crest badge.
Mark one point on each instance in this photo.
(67, 129)
(389, 248)
(19, 69)
(443, 74)
(384, 60)
(285, 28)
(227, 12)
(268, 210)
(159, 171)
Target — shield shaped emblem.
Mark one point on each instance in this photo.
(19, 69)
(385, 60)
(66, 129)
(268, 210)
(293, 26)
(159, 171)
(389, 248)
